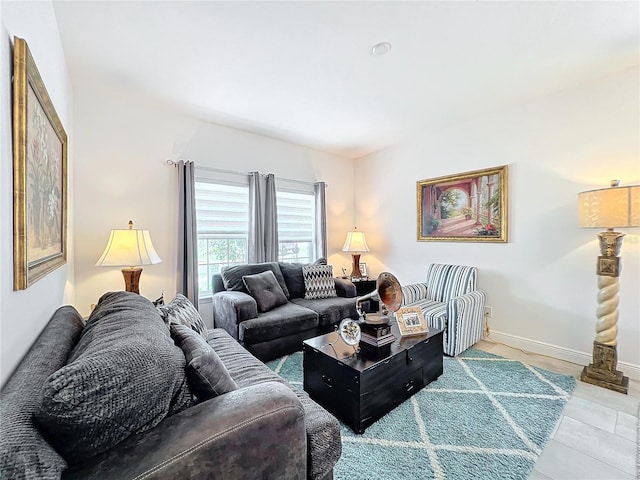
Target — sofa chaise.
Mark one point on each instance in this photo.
(262, 428)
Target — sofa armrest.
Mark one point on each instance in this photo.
(345, 288)
(252, 432)
(231, 308)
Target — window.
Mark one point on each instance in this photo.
(296, 226)
(222, 213)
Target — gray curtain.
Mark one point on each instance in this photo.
(263, 218)
(270, 220)
(321, 220)
(256, 218)
(187, 233)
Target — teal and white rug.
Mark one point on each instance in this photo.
(486, 417)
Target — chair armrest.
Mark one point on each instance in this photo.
(414, 292)
(231, 308)
(345, 288)
(252, 432)
(465, 321)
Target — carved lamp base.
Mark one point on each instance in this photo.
(602, 372)
(355, 269)
(132, 279)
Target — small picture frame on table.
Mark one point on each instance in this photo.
(363, 270)
(411, 321)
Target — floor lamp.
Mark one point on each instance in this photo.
(608, 207)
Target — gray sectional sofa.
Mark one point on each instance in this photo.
(282, 329)
(264, 428)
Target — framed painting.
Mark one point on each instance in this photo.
(39, 175)
(466, 207)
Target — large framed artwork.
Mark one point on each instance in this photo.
(39, 175)
(466, 207)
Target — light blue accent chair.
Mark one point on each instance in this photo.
(450, 301)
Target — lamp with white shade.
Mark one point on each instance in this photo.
(614, 207)
(129, 248)
(355, 243)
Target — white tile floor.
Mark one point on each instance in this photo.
(596, 437)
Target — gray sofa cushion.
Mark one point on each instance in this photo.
(266, 291)
(123, 377)
(206, 374)
(232, 276)
(279, 322)
(324, 446)
(292, 273)
(180, 310)
(318, 281)
(24, 452)
(331, 311)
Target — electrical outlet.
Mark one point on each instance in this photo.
(488, 312)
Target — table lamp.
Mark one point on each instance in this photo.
(608, 207)
(129, 248)
(355, 243)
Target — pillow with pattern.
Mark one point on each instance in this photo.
(318, 282)
(181, 311)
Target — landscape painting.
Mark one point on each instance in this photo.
(466, 207)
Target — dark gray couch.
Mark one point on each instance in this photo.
(279, 331)
(264, 429)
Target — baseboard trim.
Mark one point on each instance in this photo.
(555, 351)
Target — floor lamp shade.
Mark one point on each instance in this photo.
(614, 207)
(130, 248)
(608, 208)
(355, 243)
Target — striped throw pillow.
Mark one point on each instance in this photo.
(181, 311)
(318, 282)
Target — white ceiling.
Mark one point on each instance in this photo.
(303, 72)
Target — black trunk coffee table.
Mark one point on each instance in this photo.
(361, 388)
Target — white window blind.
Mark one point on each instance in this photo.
(296, 225)
(222, 212)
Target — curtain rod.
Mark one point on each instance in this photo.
(235, 172)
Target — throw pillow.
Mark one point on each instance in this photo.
(266, 291)
(318, 281)
(206, 374)
(292, 273)
(123, 377)
(180, 310)
(232, 276)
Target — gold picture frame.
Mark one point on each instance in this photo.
(39, 175)
(411, 321)
(466, 207)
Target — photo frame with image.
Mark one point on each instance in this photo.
(363, 270)
(411, 321)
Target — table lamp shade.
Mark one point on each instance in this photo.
(611, 207)
(128, 248)
(355, 242)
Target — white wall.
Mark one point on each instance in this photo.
(23, 314)
(122, 143)
(542, 284)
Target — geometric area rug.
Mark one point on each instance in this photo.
(486, 417)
